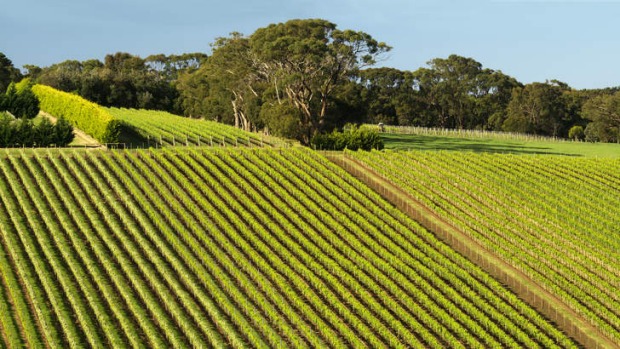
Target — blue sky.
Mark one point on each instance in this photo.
(575, 41)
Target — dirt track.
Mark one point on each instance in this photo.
(81, 138)
(576, 326)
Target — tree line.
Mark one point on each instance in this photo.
(304, 77)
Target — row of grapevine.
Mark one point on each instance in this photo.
(197, 247)
(463, 133)
(82, 114)
(555, 218)
(159, 128)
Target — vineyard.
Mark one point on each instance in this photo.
(555, 218)
(162, 129)
(462, 133)
(199, 247)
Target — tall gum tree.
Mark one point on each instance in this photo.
(230, 73)
(304, 60)
(538, 108)
(603, 112)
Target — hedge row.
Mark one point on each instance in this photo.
(84, 115)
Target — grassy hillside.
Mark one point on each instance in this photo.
(554, 217)
(414, 138)
(240, 248)
(157, 128)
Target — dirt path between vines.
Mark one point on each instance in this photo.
(576, 326)
(82, 139)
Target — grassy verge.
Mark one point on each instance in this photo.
(490, 145)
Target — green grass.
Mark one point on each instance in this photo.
(491, 145)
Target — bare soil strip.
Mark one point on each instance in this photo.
(576, 326)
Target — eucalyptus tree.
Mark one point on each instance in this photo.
(304, 61)
(603, 112)
(538, 108)
(448, 87)
(8, 73)
(388, 96)
(457, 92)
(232, 74)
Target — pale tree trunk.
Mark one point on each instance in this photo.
(303, 105)
(245, 123)
(235, 112)
(241, 120)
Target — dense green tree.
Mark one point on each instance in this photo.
(457, 92)
(194, 94)
(44, 133)
(25, 133)
(122, 80)
(347, 105)
(6, 131)
(234, 81)
(32, 71)
(64, 76)
(63, 132)
(448, 87)
(603, 112)
(538, 108)
(492, 100)
(8, 73)
(169, 67)
(304, 61)
(20, 101)
(388, 96)
(283, 119)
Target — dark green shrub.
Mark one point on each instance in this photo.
(20, 101)
(576, 133)
(63, 132)
(44, 133)
(24, 133)
(352, 138)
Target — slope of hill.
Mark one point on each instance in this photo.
(159, 128)
(555, 218)
(237, 247)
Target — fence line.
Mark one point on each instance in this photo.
(532, 293)
(465, 133)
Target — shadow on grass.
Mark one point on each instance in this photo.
(418, 142)
(130, 137)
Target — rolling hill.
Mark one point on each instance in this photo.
(220, 247)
